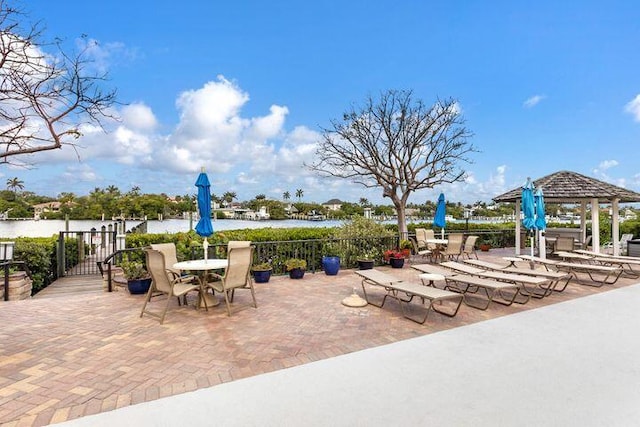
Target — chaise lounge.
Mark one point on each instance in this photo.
(395, 287)
(599, 274)
(494, 291)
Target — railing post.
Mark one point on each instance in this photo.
(60, 255)
(6, 281)
(109, 286)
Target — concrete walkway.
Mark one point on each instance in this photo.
(575, 363)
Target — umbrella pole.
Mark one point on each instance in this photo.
(205, 246)
(531, 246)
(442, 232)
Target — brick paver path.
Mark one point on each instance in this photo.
(63, 358)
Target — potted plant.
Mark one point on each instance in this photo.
(262, 272)
(367, 259)
(364, 236)
(331, 261)
(484, 247)
(405, 247)
(138, 280)
(395, 258)
(296, 267)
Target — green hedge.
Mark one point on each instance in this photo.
(39, 254)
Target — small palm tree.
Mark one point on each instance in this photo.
(286, 195)
(14, 184)
(229, 197)
(299, 194)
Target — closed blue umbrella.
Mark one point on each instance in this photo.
(541, 222)
(204, 227)
(528, 209)
(441, 210)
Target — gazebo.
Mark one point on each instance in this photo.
(572, 187)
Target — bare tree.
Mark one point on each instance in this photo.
(44, 97)
(397, 144)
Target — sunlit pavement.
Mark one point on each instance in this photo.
(571, 363)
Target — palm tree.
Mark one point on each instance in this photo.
(112, 189)
(14, 184)
(299, 193)
(229, 196)
(286, 195)
(261, 197)
(364, 202)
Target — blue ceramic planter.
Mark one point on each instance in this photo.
(262, 276)
(296, 273)
(139, 286)
(331, 265)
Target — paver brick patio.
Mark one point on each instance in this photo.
(63, 358)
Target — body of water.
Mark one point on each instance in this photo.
(45, 228)
(10, 229)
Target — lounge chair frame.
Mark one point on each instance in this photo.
(558, 279)
(397, 288)
(541, 285)
(598, 274)
(625, 262)
(494, 291)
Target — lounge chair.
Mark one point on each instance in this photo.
(626, 263)
(564, 243)
(236, 276)
(469, 247)
(454, 246)
(622, 244)
(419, 249)
(164, 283)
(543, 284)
(493, 291)
(395, 288)
(599, 274)
(559, 279)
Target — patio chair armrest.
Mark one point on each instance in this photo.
(215, 276)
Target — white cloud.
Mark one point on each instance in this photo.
(533, 101)
(80, 172)
(102, 55)
(607, 164)
(139, 116)
(633, 108)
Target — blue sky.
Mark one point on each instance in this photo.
(243, 88)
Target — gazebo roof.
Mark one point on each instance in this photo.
(571, 187)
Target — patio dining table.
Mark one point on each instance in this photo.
(441, 245)
(201, 267)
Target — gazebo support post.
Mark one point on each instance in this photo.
(595, 225)
(615, 226)
(583, 221)
(517, 218)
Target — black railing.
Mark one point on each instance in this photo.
(6, 266)
(277, 253)
(115, 259)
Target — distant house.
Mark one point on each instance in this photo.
(290, 210)
(333, 205)
(629, 215)
(47, 207)
(42, 208)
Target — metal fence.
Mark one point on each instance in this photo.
(79, 251)
(277, 253)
